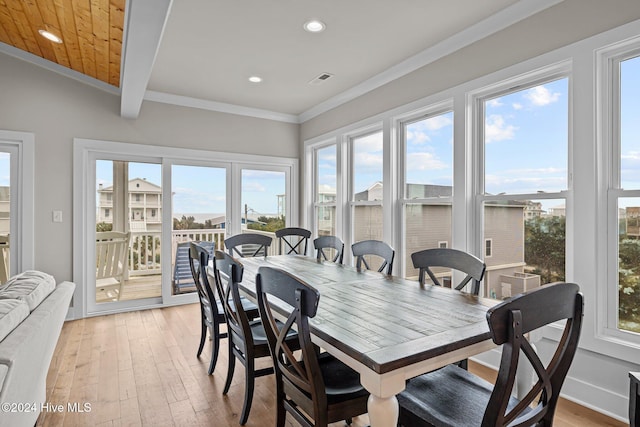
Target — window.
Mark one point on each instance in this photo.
(443, 245)
(428, 182)
(106, 213)
(623, 306)
(487, 248)
(153, 213)
(326, 190)
(367, 190)
(525, 180)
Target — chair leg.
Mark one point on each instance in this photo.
(215, 347)
(281, 414)
(203, 336)
(232, 366)
(250, 380)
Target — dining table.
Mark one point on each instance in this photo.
(387, 328)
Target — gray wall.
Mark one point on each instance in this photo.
(57, 109)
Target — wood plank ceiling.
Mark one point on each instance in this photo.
(91, 31)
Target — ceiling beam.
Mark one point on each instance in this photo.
(145, 25)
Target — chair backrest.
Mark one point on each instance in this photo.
(228, 274)
(455, 259)
(182, 272)
(373, 247)
(198, 261)
(329, 242)
(5, 262)
(112, 248)
(248, 244)
(301, 303)
(295, 240)
(509, 323)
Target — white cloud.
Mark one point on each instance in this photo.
(632, 156)
(496, 129)
(437, 122)
(517, 106)
(494, 103)
(528, 180)
(424, 161)
(541, 96)
(417, 138)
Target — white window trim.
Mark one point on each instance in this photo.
(400, 122)
(620, 343)
(21, 145)
(84, 150)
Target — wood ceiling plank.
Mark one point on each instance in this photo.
(84, 29)
(66, 19)
(23, 26)
(39, 16)
(100, 23)
(10, 28)
(116, 25)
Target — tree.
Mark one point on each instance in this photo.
(103, 226)
(272, 223)
(544, 247)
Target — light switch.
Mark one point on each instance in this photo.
(57, 216)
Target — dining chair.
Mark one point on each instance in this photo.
(211, 310)
(248, 244)
(455, 259)
(295, 240)
(247, 339)
(378, 248)
(452, 396)
(332, 243)
(315, 388)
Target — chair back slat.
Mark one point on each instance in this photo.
(300, 303)
(199, 257)
(295, 240)
(450, 258)
(258, 244)
(329, 242)
(228, 274)
(378, 248)
(510, 322)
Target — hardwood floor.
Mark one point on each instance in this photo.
(140, 369)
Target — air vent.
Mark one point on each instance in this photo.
(321, 79)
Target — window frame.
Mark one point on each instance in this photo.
(21, 146)
(350, 139)
(476, 100)
(608, 116)
(400, 123)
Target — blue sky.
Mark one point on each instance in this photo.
(203, 189)
(526, 146)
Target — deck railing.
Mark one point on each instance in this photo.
(145, 247)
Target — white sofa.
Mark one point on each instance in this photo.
(32, 311)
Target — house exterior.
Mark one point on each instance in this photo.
(5, 206)
(429, 226)
(145, 205)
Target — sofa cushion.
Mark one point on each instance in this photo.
(31, 287)
(12, 313)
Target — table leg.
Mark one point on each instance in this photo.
(383, 412)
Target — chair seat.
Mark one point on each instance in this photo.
(260, 336)
(340, 381)
(249, 307)
(450, 396)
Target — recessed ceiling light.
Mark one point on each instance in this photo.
(50, 36)
(314, 26)
(255, 79)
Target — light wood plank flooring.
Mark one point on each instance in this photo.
(140, 369)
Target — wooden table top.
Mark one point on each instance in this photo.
(384, 322)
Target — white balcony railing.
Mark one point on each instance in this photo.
(145, 247)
